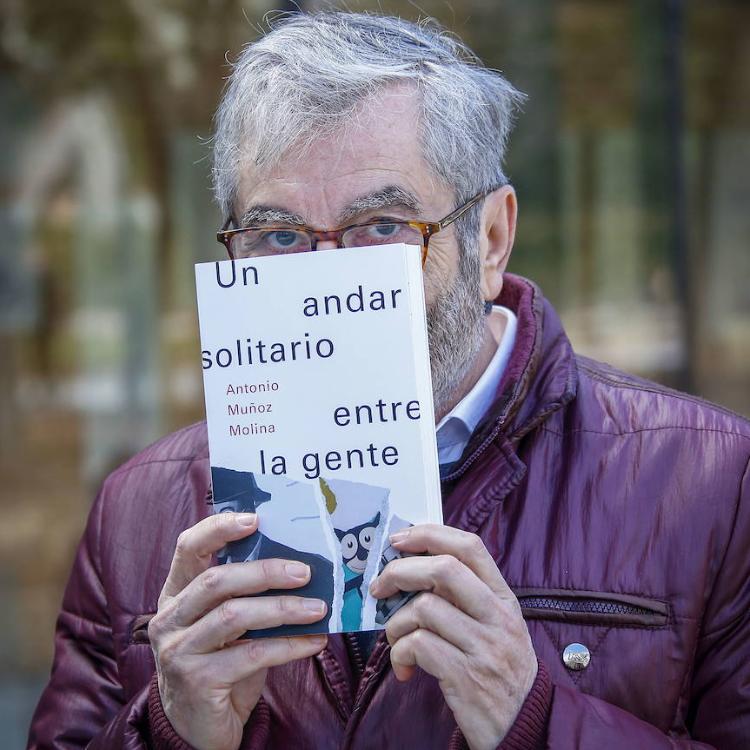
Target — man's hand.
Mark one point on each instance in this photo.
(465, 629)
(209, 681)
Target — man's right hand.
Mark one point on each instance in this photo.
(209, 681)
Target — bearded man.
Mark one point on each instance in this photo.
(590, 586)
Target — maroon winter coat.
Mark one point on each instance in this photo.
(617, 510)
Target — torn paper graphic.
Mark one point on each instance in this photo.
(358, 512)
(386, 608)
(290, 527)
(335, 526)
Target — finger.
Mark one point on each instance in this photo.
(196, 545)
(437, 615)
(244, 658)
(436, 539)
(222, 582)
(234, 617)
(426, 650)
(444, 575)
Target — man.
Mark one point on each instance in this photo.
(590, 587)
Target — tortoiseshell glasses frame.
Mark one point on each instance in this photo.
(258, 240)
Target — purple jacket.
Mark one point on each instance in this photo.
(617, 510)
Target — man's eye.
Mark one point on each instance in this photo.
(259, 242)
(284, 241)
(382, 234)
(384, 230)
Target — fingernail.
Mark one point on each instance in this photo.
(297, 570)
(318, 640)
(374, 587)
(399, 536)
(314, 605)
(246, 519)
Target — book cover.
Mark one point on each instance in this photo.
(320, 415)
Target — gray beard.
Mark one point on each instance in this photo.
(455, 327)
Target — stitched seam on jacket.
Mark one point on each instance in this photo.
(326, 662)
(732, 622)
(578, 674)
(544, 622)
(97, 564)
(106, 647)
(608, 625)
(686, 684)
(536, 423)
(488, 503)
(597, 375)
(125, 468)
(86, 620)
(556, 648)
(604, 624)
(646, 429)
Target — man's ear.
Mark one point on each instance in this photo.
(496, 234)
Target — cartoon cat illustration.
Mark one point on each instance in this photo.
(355, 548)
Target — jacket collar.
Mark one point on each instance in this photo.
(541, 375)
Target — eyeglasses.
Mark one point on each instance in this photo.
(255, 242)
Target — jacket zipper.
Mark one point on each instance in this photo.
(359, 661)
(592, 607)
(583, 605)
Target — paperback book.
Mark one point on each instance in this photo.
(320, 416)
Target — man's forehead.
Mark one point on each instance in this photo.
(372, 155)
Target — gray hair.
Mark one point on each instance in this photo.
(307, 76)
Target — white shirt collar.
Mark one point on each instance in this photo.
(455, 428)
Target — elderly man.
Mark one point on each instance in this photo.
(590, 587)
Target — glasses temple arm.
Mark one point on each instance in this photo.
(461, 210)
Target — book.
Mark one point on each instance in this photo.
(320, 416)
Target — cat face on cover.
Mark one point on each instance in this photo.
(356, 544)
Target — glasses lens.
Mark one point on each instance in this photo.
(382, 234)
(254, 243)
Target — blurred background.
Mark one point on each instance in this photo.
(631, 162)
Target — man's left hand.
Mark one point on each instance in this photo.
(465, 629)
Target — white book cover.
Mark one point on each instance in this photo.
(320, 415)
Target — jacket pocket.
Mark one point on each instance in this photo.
(592, 607)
